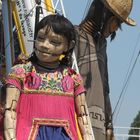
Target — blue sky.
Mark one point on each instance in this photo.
(120, 52)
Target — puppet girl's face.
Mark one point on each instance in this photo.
(49, 46)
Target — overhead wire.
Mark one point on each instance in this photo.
(86, 8)
(126, 81)
(128, 74)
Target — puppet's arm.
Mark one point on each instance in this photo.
(110, 134)
(109, 131)
(12, 96)
(109, 124)
(83, 118)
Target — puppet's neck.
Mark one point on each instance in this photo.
(52, 65)
(89, 26)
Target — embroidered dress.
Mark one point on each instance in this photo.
(46, 101)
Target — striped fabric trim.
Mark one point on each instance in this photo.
(27, 91)
(50, 122)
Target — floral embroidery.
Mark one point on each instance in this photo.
(71, 71)
(18, 72)
(55, 82)
(77, 80)
(52, 82)
(32, 81)
(67, 83)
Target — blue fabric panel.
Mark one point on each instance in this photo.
(51, 133)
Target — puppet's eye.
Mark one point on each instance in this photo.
(55, 42)
(40, 38)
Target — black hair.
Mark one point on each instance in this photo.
(98, 14)
(107, 15)
(61, 26)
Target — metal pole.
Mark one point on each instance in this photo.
(37, 15)
(139, 134)
(7, 39)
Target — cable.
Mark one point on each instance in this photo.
(127, 79)
(87, 7)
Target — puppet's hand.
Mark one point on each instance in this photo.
(83, 118)
(110, 134)
(10, 125)
(12, 96)
(88, 137)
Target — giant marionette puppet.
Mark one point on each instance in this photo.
(43, 94)
(103, 19)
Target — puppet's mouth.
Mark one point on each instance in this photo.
(46, 52)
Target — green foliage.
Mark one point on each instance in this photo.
(135, 123)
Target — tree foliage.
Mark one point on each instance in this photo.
(135, 123)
